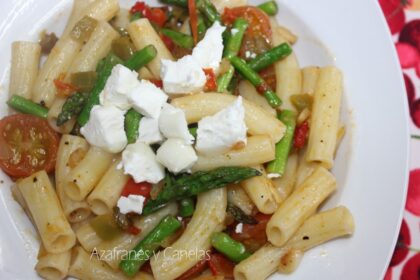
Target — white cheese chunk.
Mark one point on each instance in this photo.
(149, 132)
(118, 86)
(147, 99)
(105, 128)
(172, 124)
(208, 52)
(140, 162)
(131, 204)
(184, 76)
(219, 133)
(177, 156)
(239, 227)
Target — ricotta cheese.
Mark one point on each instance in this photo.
(177, 156)
(219, 133)
(140, 162)
(105, 128)
(131, 204)
(149, 132)
(172, 124)
(147, 99)
(118, 86)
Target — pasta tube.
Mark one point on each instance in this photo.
(70, 148)
(143, 34)
(53, 227)
(257, 120)
(24, 69)
(84, 177)
(288, 74)
(325, 117)
(261, 191)
(299, 206)
(106, 194)
(286, 184)
(53, 266)
(259, 149)
(208, 218)
(318, 229)
(248, 91)
(309, 79)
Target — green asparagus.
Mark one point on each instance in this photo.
(71, 107)
(234, 42)
(26, 106)
(131, 125)
(262, 87)
(239, 215)
(103, 72)
(179, 3)
(269, 57)
(141, 58)
(144, 250)
(193, 131)
(198, 182)
(278, 165)
(269, 7)
(208, 10)
(201, 27)
(224, 80)
(231, 248)
(186, 208)
(179, 38)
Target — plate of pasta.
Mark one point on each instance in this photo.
(199, 139)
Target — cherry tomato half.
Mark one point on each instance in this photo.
(27, 145)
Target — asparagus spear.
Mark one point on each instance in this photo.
(71, 107)
(208, 10)
(131, 125)
(278, 165)
(104, 71)
(193, 131)
(229, 247)
(26, 106)
(144, 250)
(269, 57)
(179, 38)
(224, 80)
(262, 87)
(179, 3)
(186, 207)
(201, 181)
(269, 7)
(141, 58)
(239, 215)
(234, 42)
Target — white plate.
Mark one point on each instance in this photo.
(372, 163)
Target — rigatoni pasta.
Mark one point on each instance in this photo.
(25, 64)
(119, 162)
(53, 227)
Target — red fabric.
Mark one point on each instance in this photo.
(403, 17)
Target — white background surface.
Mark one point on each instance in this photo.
(372, 163)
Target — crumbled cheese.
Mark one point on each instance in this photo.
(273, 175)
(118, 86)
(149, 132)
(131, 204)
(239, 228)
(172, 124)
(177, 156)
(140, 162)
(184, 76)
(147, 99)
(233, 31)
(105, 128)
(208, 52)
(219, 133)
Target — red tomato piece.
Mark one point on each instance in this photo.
(301, 134)
(252, 236)
(157, 82)
(156, 15)
(132, 187)
(168, 42)
(220, 265)
(211, 84)
(27, 145)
